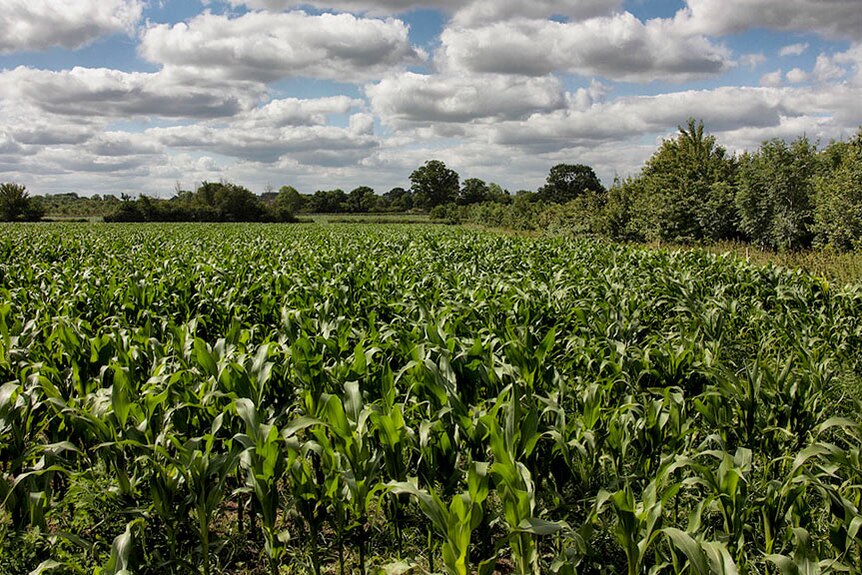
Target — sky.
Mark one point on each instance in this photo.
(147, 96)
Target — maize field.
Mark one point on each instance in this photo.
(360, 399)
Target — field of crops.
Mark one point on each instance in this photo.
(325, 399)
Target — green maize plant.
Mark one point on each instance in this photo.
(348, 422)
(457, 521)
(515, 487)
(265, 462)
(322, 399)
(308, 488)
(639, 518)
(205, 471)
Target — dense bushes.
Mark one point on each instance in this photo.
(838, 197)
(211, 202)
(16, 205)
(783, 197)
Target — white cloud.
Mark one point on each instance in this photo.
(361, 124)
(827, 70)
(753, 61)
(797, 76)
(483, 11)
(625, 118)
(793, 49)
(619, 47)
(28, 126)
(32, 25)
(295, 112)
(474, 11)
(314, 145)
(102, 92)
(264, 47)
(113, 144)
(772, 79)
(417, 98)
(301, 134)
(852, 58)
(830, 18)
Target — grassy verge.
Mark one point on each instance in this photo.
(841, 268)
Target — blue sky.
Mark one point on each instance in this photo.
(137, 96)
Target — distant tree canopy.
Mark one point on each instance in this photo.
(473, 191)
(838, 195)
(16, 205)
(783, 196)
(211, 202)
(567, 182)
(434, 184)
(362, 200)
(397, 199)
(328, 202)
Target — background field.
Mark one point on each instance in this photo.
(298, 399)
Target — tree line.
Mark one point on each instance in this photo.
(783, 196)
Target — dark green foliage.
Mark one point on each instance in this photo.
(362, 200)
(434, 184)
(211, 202)
(228, 202)
(776, 194)
(473, 191)
(838, 213)
(520, 212)
(584, 215)
(289, 201)
(497, 194)
(327, 202)
(71, 205)
(16, 205)
(568, 182)
(397, 200)
(687, 190)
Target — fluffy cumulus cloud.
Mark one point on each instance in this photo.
(418, 98)
(625, 118)
(794, 49)
(619, 47)
(295, 112)
(282, 129)
(474, 11)
(103, 92)
(832, 18)
(28, 25)
(265, 47)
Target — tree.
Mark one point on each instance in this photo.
(16, 205)
(688, 190)
(235, 203)
(362, 200)
(567, 182)
(287, 203)
(473, 191)
(434, 184)
(497, 194)
(290, 199)
(328, 202)
(226, 202)
(838, 210)
(776, 193)
(398, 200)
